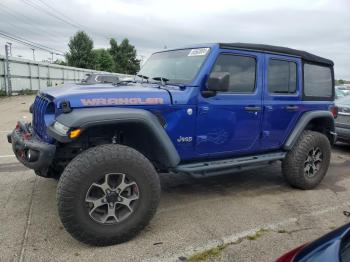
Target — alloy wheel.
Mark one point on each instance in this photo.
(112, 199)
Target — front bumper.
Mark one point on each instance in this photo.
(30, 150)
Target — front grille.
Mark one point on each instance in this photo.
(39, 109)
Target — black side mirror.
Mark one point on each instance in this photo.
(218, 82)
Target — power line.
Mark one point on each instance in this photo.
(36, 6)
(29, 43)
(60, 13)
(33, 43)
(21, 28)
(39, 7)
(27, 19)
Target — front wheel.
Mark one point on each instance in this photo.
(307, 163)
(107, 194)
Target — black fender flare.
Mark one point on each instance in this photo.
(302, 123)
(88, 117)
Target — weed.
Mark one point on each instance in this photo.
(213, 252)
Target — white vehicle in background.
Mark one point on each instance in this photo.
(341, 91)
(98, 78)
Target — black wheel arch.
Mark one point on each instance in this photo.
(319, 120)
(141, 130)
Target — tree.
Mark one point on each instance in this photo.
(80, 51)
(60, 62)
(114, 51)
(124, 56)
(103, 60)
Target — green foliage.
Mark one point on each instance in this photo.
(342, 82)
(2, 92)
(80, 51)
(118, 58)
(104, 60)
(207, 254)
(124, 56)
(60, 62)
(257, 234)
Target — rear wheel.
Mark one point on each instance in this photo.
(107, 194)
(307, 163)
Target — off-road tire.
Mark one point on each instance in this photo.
(294, 163)
(84, 170)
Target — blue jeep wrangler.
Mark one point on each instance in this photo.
(203, 110)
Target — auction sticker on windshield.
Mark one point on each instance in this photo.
(198, 52)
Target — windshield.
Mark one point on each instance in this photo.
(178, 66)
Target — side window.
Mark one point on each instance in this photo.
(241, 69)
(282, 77)
(318, 81)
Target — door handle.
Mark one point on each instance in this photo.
(252, 108)
(292, 108)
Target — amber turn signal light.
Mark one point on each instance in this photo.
(74, 133)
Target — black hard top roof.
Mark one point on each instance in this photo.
(279, 50)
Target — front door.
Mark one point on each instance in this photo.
(229, 123)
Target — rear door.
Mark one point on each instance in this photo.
(229, 123)
(282, 96)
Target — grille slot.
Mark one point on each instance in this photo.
(39, 109)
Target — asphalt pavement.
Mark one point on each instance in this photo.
(247, 216)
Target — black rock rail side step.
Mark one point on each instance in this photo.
(230, 164)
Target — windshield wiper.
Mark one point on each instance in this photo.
(143, 77)
(163, 80)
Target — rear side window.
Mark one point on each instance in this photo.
(318, 81)
(241, 70)
(282, 77)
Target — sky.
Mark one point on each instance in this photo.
(321, 27)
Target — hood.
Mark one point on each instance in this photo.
(82, 95)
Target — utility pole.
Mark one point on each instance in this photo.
(7, 72)
(51, 57)
(10, 45)
(33, 53)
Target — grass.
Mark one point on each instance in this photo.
(27, 92)
(216, 251)
(20, 92)
(213, 252)
(258, 234)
